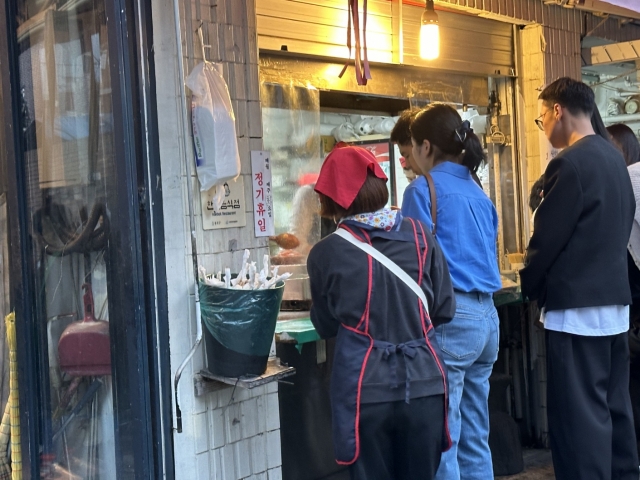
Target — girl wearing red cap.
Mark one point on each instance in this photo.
(467, 230)
(388, 385)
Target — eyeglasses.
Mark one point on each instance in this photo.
(540, 119)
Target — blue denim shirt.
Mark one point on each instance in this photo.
(467, 225)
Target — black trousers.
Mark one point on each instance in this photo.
(400, 441)
(588, 407)
(634, 391)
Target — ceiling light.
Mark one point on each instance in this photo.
(429, 33)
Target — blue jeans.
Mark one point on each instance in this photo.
(469, 348)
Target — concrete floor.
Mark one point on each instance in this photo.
(537, 466)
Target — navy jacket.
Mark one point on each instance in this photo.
(338, 273)
(577, 256)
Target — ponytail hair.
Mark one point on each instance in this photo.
(441, 124)
(473, 152)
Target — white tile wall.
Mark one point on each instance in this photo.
(232, 422)
(201, 427)
(273, 449)
(275, 474)
(230, 434)
(259, 453)
(217, 428)
(243, 454)
(228, 462)
(249, 418)
(227, 438)
(203, 467)
(273, 412)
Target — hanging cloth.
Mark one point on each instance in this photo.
(361, 58)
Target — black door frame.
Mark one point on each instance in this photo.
(142, 377)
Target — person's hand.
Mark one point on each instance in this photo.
(394, 207)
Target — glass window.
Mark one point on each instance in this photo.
(66, 114)
(291, 122)
(5, 305)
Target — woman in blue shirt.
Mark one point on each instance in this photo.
(467, 226)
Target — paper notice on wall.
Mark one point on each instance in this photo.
(262, 193)
(232, 212)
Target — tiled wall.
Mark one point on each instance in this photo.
(240, 438)
(223, 437)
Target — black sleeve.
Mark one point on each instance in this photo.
(323, 321)
(444, 301)
(554, 223)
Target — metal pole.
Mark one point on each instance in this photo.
(192, 222)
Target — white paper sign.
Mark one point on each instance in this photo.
(232, 212)
(262, 193)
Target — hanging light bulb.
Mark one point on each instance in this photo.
(429, 33)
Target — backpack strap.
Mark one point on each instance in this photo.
(387, 262)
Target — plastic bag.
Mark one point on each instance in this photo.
(214, 129)
(241, 320)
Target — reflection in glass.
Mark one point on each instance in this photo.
(5, 305)
(67, 129)
(291, 125)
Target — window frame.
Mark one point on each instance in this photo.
(138, 300)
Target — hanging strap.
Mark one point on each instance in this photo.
(387, 262)
(365, 61)
(363, 72)
(434, 205)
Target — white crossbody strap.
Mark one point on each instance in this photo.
(387, 262)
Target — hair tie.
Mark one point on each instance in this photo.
(463, 130)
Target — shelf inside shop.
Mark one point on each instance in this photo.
(206, 382)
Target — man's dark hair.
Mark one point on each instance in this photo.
(373, 196)
(401, 133)
(535, 197)
(598, 125)
(575, 96)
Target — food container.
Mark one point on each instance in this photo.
(297, 286)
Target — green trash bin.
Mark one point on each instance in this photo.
(238, 328)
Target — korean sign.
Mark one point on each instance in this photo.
(262, 193)
(232, 211)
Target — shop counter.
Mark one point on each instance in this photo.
(296, 327)
(296, 331)
(305, 408)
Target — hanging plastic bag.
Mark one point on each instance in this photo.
(214, 129)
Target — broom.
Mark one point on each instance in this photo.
(5, 436)
(14, 400)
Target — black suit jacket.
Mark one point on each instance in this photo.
(577, 256)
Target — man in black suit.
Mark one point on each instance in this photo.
(576, 268)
